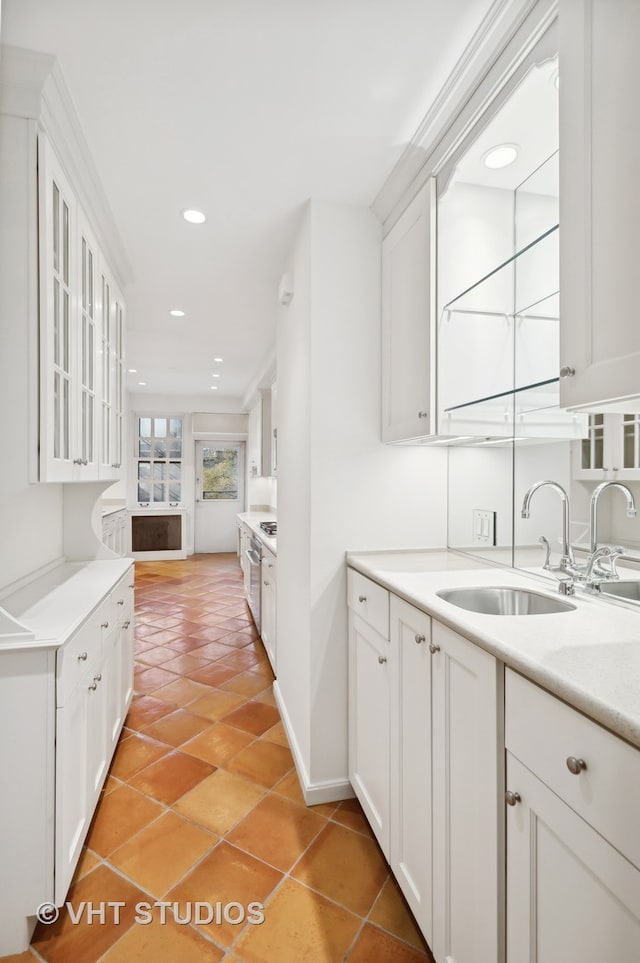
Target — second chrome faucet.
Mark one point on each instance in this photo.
(569, 570)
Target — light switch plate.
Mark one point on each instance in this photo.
(484, 527)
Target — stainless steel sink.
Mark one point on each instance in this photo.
(629, 590)
(504, 600)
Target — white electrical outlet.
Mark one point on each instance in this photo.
(484, 527)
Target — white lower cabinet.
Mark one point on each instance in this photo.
(82, 685)
(369, 707)
(424, 761)
(468, 854)
(573, 851)
(268, 605)
(411, 845)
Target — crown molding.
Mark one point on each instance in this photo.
(508, 30)
(33, 87)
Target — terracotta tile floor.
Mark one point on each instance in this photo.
(202, 804)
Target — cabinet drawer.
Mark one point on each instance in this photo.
(80, 656)
(369, 600)
(121, 598)
(548, 736)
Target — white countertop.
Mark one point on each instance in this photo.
(590, 657)
(253, 519)
(55, 604)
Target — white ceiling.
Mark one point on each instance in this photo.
(243, 109)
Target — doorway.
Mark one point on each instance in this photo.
(219, 495)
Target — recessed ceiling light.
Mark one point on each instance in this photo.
(219, 360)
(143, 383)
(215, 374)
(214, 387)
(176, 313)
(132, 370)
(500, 156)
(193, 216)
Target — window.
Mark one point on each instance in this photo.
(219, 475)
(159, 459)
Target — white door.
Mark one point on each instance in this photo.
(219, 495)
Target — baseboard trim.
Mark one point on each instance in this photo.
(314, 792)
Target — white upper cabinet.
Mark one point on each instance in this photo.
(408, 307)
(599, 202)
(81, 338)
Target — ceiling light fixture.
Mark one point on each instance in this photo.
(176, 313)
(214, 387)
(219, 360)
(143, 383)
(500, 156)
(132, 370)
(193, 216)
(215, 374)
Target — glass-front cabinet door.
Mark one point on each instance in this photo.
(87, 457)
(57, 317)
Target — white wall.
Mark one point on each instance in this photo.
(339, 487)
(31, 516)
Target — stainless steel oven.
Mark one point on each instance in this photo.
(254, 556)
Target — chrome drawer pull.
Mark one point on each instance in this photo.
(125, 625)
(575, 766)
(105, 625)
(381, 659)
(82, 657)
(98, 677)
(120, 602)
(93, 687)
(362, 598)
(512, 798)
(420, 638)
(433, 648)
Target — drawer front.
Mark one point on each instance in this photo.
(77, 659)
(121, 599)
(369, 600)
(552, 739)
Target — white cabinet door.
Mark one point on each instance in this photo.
(126, 678)
(467, 801)
(369, 696)
(98, 736)
(268, 606)
(408, 320)
(410, 840)
(599, 200)
(58, 295)
(571, 896)
(73, 810)
(254, 440)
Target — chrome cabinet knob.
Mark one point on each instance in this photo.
(362, 598)
(512, 798)
(93, 686)
(104, 625)
(125, 625)
(575, 766)
(82, 657)
(120, 602)
(77, 461)
(433, 648)
(423, 414)
(98, 677)
(420, 639)
(131, 585)
(382, 659)
(566, 371)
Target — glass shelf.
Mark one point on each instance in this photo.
(500, 336)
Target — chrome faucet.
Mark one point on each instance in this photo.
(594, 573)
(593, 508)
(567, 562)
